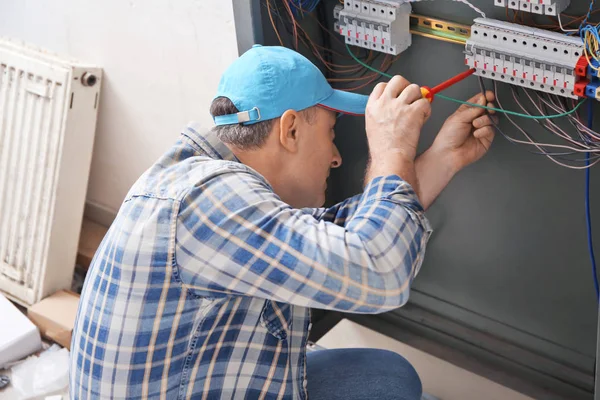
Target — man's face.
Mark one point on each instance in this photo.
(316, 156)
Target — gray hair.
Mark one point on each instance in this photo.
(246, 137)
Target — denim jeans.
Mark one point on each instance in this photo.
(353, 374)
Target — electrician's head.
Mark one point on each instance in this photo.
(277, 112)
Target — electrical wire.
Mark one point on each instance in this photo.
(512, 140)
(561, 25)
(589, 13)
(591, 39)
(466, 2)
(299, 34)
(474, 104)
(553, 127)
(304, 6)
(588, 216)
(269, 11)
(500, 110)
(554, 157)
(345, 73)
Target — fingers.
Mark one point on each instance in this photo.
(477, 99)
(467, 113)
(377, 91)
(489, 96)
(424, 106)
(396, 86)
(483, 121)
(485, 135)
(411, 94)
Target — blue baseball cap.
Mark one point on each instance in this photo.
(266, 81)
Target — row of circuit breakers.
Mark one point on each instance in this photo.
(529, 57)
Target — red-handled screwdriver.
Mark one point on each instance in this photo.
(429, 93)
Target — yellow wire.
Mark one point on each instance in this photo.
(592, 43)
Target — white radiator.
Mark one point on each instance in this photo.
(48, 110)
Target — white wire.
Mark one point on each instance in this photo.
(563, 29)
(477, 10)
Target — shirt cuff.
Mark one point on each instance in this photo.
(394, 188)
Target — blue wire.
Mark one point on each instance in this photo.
(588, 216)
(305, 5)
(588, 15)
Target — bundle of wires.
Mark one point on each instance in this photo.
(301, 6)
(591, 40)
(576, 148)
(349, 76)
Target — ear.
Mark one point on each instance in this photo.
(289, 126)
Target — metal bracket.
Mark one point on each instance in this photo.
(439, 29)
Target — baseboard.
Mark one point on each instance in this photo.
(483, 323)
(99, 214)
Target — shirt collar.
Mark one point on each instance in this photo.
(208, 142)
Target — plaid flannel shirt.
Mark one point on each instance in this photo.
(202, 286)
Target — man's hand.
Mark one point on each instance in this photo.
(394, 117)
(467, 134)
(465, 138)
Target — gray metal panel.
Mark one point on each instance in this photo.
(248, 23)
(509, 239)
(509, 253)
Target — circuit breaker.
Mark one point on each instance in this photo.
(382, 25)
(529, 57)
(546, 7)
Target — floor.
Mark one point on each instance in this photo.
(441, 379)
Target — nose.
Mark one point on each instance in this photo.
(337, 158)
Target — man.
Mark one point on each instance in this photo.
(203, 284)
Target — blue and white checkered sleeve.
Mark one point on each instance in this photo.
(338, 213)
(235, 236)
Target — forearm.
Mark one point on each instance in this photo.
(434, 170)
(386, 166)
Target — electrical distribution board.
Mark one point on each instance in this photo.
(534, 58)
(547, 7)
(382, 25)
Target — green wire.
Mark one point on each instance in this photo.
(474, 104)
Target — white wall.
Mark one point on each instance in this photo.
(162, 60)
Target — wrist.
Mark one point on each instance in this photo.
(386, 166)
(449, 159)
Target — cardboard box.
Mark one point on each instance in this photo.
(55, 316)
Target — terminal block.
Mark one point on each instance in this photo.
(534, 58)
(546, 7)
(380, 25)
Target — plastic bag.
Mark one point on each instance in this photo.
(43, 375)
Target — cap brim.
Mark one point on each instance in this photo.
(346, 102)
